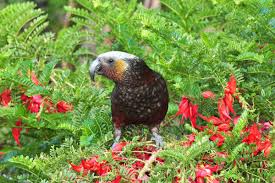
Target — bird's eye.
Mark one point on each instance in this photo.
(110, 60)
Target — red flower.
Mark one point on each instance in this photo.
(208, 94)
(16, 132)
(34, 79)
(119, 146)
(24, 98)
(212, 119)
(77, 168)
(117, 179)
(138, 165)
(254, 135)
(264, 146)
(193, 114)
(92, 165)
(224, 127)
(205, 171)
(191, 139)
(223, 110)
(5, 97)
(188, 110)
(265, 126)
(236, 120)
(63, 107)
(217, 137)
(231, 85)
(35, 103)
(229, 100)
(103, 169)
(183, 109)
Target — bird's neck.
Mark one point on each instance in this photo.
(139, 77)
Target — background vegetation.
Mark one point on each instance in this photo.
(195, 44)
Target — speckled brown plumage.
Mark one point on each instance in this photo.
(140, 101)
(140, 94)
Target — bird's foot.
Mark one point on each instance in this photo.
(114, 145)
(158, 140)
(117, 137)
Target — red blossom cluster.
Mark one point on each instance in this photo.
(188, 110)
(92, 165)
(223, 126)
(5, 97)
(255, 137)
(206, 171)
(34, 104)
(102, 168)
(225, 122)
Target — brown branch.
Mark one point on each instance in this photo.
(148, 164)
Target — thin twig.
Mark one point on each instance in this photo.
(148, 164)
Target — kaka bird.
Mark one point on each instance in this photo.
(140, 95)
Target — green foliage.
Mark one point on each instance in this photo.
(195, 45)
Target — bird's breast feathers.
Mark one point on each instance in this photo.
(144, 102)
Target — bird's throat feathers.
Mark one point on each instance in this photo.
(137, 76)
(120, 68)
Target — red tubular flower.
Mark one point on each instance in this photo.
(231, 85)
(229, 100)
(265, 126)
(203, 172)
(16, 132)
(35, 103)
(117, 179)
(138, 165)
(63, 107)
(103, 169)
(236, 120)
(77, 168)
(24, 98)
(119, 146)
(219, 138)
(90, 164)
(223, 110)
(224, 127)
(212, 119)
(5, 97)
(193, 114)
(208, 94)
(254, 135)
(264, 146)
(183, 109)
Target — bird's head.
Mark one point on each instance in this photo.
(116, 65)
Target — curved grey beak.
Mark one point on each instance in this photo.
(95, 67)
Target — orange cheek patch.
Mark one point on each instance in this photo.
(120, 68)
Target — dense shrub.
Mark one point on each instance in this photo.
(52, 117)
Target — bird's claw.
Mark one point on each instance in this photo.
(114, 145)
(158, 140)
